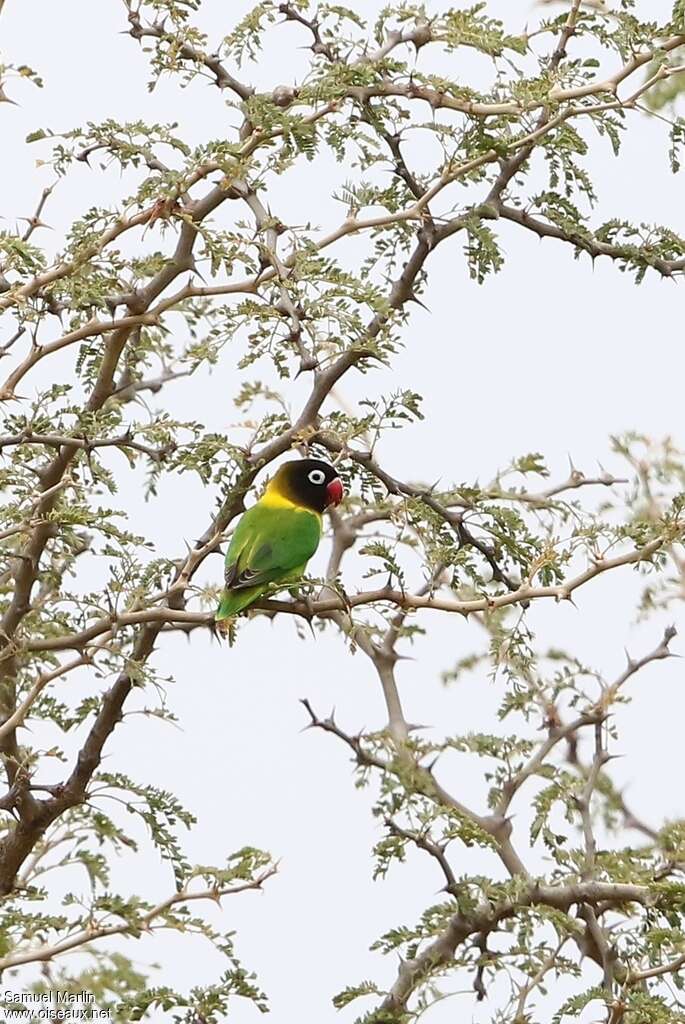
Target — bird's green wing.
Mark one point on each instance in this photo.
(269, 545)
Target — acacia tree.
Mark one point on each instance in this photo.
(198, 268)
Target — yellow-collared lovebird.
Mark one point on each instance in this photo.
(275, 539)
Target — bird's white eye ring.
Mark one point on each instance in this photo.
(316, 477)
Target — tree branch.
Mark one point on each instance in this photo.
(144, 923)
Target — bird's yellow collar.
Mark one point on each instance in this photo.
(273, 498)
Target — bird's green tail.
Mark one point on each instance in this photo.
(234, 601)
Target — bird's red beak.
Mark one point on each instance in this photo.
(334, 492)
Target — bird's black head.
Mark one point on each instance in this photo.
(308, 482)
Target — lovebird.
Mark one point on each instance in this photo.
(275, 539)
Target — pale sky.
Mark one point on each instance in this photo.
(551, 354)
